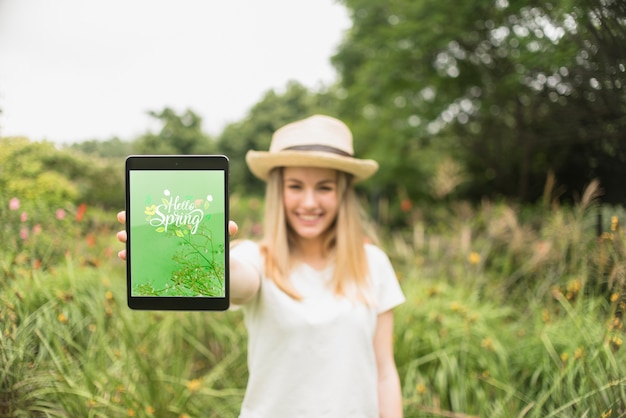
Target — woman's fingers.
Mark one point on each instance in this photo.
(232, 228)
(121, 236)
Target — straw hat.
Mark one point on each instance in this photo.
(317, 141)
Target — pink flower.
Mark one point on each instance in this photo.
(24, 234)
(24, 217)
(14, 204)
(37, 229)
(60, 214)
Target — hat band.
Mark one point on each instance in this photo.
(323, 148)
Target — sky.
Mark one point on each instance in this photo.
(76, 70)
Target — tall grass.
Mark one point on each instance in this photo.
(513, 314)
(71, 347)
(510, 312)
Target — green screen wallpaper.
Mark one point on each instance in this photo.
(177, 232)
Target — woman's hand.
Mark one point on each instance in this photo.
(121, 235)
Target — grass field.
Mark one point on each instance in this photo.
(509, 313)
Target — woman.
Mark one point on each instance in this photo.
(317, 298)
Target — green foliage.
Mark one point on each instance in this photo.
(509, 89)
(26, 172)
(31, 234)
(71, 347)
(510, 312)
(468, 355)
(179, 134)
(38, 171)
(111, 148)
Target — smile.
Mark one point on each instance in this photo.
(309, 218)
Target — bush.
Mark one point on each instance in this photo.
(39, 171)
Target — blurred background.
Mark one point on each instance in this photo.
(500, 130)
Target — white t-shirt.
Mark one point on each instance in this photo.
(314, 357)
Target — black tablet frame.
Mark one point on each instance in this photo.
(177, 162)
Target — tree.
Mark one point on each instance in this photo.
(597, 79)
(510, 88)
(180, 134)
(111, 148)
(39, 172)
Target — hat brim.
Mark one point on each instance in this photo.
(262, 162)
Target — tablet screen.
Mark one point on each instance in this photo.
(177, 247)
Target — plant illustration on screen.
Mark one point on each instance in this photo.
(198, 259)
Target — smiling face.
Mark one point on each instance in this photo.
(310, 200)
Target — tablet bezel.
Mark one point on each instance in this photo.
(175, 163)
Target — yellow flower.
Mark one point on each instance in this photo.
(421, 388)
(62, 318)
(564, 357)
(614, 297)
(150, 410)
(473, 258)
(615, 342)
(616, 324)
(573, 287)
(578, 354)
(150, 210)
(487, 344)
(131, 412)
(108, 295)
(194, 385)
(614, 223)
(608, 413)
(606, 236)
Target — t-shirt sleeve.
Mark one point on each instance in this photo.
(387, 291)
(249, 252)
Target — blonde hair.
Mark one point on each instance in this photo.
(351, 276)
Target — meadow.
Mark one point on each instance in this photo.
(511, 312)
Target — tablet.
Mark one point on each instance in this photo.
(177, 232)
